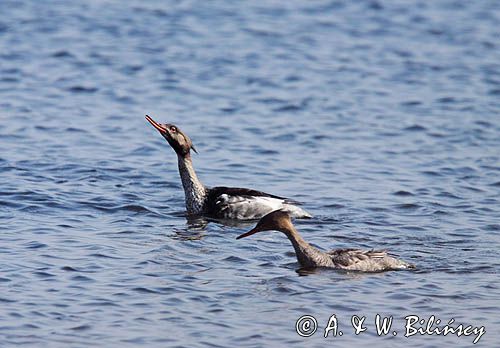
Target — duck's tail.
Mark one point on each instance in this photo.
(296, 212)
(406, 265)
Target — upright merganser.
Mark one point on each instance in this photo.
(310, 257)
(219, 202)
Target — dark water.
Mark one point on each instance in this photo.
(382, 117)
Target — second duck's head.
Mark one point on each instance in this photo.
(278, 220)
(179, 141)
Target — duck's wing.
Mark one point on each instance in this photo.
(358, 259)
(246, 204)
(237, 191)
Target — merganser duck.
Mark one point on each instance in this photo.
(310, 257)
(220, 202)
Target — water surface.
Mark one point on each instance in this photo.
(382, 117)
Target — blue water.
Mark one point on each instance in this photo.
(382, 117)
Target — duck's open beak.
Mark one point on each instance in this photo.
(155, 124)
(249, 233)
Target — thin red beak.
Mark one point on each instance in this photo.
(249, 233)
(158, 126)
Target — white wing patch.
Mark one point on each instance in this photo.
(254, 207)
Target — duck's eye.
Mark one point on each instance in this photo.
(173, 129)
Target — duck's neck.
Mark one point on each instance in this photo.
(194, 190)
(307, 255)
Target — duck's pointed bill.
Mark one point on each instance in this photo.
(155, 124)
(249, 233)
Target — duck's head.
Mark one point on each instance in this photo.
(179, 141)
(277, 220)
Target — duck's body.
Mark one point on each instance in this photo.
(220, 202)
(311, 257)
(245, 204)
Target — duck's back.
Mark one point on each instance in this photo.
(246, 204)
(366, 260)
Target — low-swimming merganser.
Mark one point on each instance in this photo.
(219, 202)
(310, 257)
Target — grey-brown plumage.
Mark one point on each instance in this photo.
(310, 257)
(219, 202)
